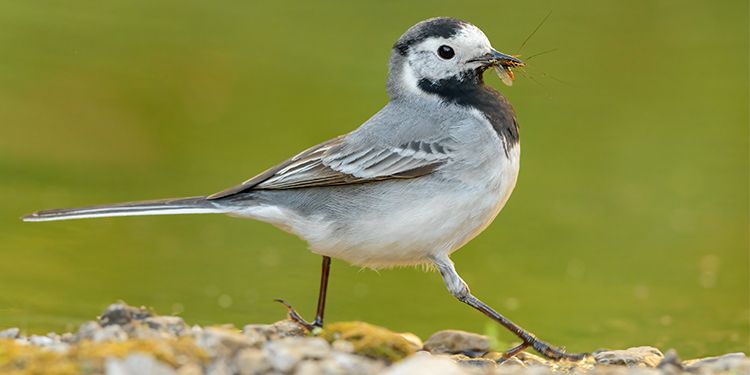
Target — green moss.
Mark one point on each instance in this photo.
(27, 359)
(172, 352)
(370, 340)
(89, 356)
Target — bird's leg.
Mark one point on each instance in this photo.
(460, 290)
(318, 322)
(325, 270)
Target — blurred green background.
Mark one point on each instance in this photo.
(629, 225)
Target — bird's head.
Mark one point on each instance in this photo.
(444, 50)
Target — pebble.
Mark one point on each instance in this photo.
(218, 368)
(532, 359)
(425, 363)
(285, 353)
(137, 364)
(190, 369)
(346, 363)
(308, 367)
(121, 314)
(512, 361)
(50, 342)
(111, 333)
(252, 362)
(41, 341)
(671, 362)
(285, 348)
(95, 332)
(731, 363)
(267, 332)
(639, 356)
(342, 346)
(457, 342)
(10, 333)
(168, 325)
(413, 339)
(221, 341)
(480, 363)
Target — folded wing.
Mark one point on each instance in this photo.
(337, 163)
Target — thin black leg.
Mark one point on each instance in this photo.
(528, 338)
(320, 311)
(460, 290)
(325, 270)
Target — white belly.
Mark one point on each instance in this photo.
(430, 222)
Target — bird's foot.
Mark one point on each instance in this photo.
(546, 350)
(510, 353)
(295, 317)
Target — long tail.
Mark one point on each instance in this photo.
(191, 205)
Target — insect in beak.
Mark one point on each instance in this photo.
(502, 64)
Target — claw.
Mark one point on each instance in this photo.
(545, 350)
(558, 354)
(510, 353)
(295, 317)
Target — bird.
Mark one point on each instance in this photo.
(411, 185)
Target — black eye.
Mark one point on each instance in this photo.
(446, 52)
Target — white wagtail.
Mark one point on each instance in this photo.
(413, 184)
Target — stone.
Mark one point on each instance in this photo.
(342, 346)
(308, 367)
(137, 364)
(68, 338)
(221, 341)
(638, 356)
(512, 361)
(41, 341)
(139, 330)
(479, 363)
(190, 369)
(285, 353)
(121, 314)
(495, 356)
(95, 332)
(534, 370)
(346, 363)
(257, 334)
(170, 325)
(287, 328)
(265, 332)
(252, 361)
(10, 333)
(671, 362)
(457, 342)
(425, 363)
(87, 331)
(218, 368)
(413, 339)
(127, 341)
(110, 333)
(531, 359)
(728, 363)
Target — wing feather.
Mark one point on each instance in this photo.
(337, 163)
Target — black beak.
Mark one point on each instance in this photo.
(497, 58)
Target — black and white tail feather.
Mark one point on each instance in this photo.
(331, 163)
(174, 206)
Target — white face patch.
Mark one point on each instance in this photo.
(409, 80)
(425, 62)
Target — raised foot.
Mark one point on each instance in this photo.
(295, 317)
(546, 350)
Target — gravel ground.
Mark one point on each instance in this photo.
(129, 340)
